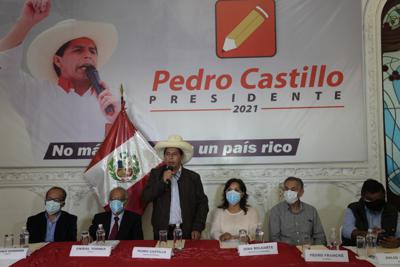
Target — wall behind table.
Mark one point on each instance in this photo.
(329, 187)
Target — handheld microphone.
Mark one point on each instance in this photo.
(168, 168)
(94, 79)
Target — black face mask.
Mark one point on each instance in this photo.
(376, 205)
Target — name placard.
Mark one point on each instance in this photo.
(388, 258)
(151, 253)
(326, 255)
(258, 249)
(90, 251)
(13, 253)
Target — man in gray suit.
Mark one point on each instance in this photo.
(176, 192)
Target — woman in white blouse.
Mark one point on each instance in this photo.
(234, 213)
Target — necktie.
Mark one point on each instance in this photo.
(114, 230)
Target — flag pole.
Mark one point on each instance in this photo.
(121, 91)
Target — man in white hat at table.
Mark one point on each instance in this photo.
(176, 192)
(57, 101)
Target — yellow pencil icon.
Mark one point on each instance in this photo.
(245, 28)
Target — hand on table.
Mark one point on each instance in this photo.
(196, 235)
(390, 242)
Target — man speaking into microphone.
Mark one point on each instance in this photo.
(58, 100)
(176, 192)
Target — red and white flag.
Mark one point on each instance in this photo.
(124, 159)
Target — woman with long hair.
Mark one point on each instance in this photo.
(234, 213)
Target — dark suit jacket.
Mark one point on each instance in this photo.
(194, 203)
(65, 227)
(130, 227)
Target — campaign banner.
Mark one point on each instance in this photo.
(244, 81)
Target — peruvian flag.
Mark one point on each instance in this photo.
(124, 159)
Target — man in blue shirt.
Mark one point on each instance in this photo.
(53, 224)
(372, 212)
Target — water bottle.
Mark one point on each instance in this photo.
(100, 235)
(259, 237)
(178, 242)
(12, 240)
(334, 243)
(8, 241)
(24, 238)
(370, 240)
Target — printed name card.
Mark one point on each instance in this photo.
(326, 255)
(13, 253)
(388, 258)
(258, 249)
(151, 253)
(90, 251)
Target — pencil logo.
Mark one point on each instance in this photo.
(245, 28)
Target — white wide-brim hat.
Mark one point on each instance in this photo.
(43, 48)
(175, 141)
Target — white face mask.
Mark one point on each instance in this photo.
(290, 196)
(52, 207)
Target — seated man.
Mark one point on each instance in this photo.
(52, 224)
(124, 224)
(372, 212)
(293, 221)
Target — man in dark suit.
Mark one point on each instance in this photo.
(118, 224)
(52, 224)
(176, 192)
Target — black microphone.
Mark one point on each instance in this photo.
(168, 168)
(94, 79)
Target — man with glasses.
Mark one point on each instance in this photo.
(53, 224)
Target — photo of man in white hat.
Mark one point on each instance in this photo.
(176, 192)
(57, 100)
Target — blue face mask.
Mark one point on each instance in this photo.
(52, 207)
(116, 206)
(232, 197)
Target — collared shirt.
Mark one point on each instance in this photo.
(292, 228)
(68, 87)
(113, 220)
(373, 219)
(175, 215)
(51, 228)
(51, 115)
